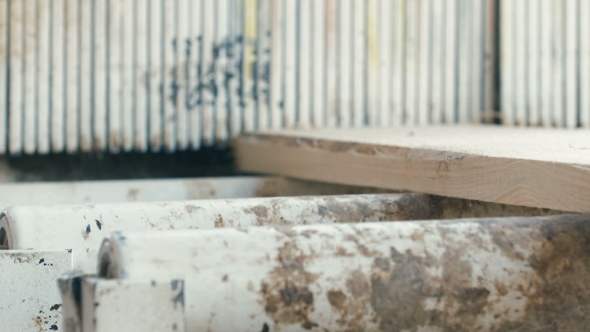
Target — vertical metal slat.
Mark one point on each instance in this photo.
(43, 80)
(156, 103)
(194, 72)
(464, 59)
(399, 44)
(142, 75)
(235, 50)
(276, 80)
(584, 63)
(412, 62)
(304, 49)
(451, 61)
(170, 70)
(115, 61)
(345, 33)
(359, 44)
(318, 65)
(425, 69)
(30, 74)
(128, 16)
(58, 84)
(571, 62)
(72, 72)
(507, 72)
(546, 62)
(87, 105)
(385, 31)
(58, 76)
(558, 38)
(490, 26)
(290, 46)
(533, 62)
(331, 58)
(249, 97)
(263, 63)
(374, 46)
(4, 107)
(221, 40)
(101, 74)
(477, 47)
(437, 61)
(208, 73)
(182, 48)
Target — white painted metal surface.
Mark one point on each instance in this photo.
(30, 300)
(120, 305)
(386, 276)
(123, 75)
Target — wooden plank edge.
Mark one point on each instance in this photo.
(444, 173)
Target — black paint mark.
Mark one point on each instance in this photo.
(178, 299)
(153, 283)
(88, 229)
(69, 250)
(265, 328)
(98, 224)
(53, 328)
(54, 307)
(41, 260)
(120, 237)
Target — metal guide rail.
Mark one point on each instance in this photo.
(166, 190)
(470, 275)
(71, 235)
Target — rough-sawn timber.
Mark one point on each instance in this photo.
(546, 168)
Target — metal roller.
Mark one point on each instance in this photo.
(82, 227)
(461, 275)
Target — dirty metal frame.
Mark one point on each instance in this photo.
(81, 228)
(120, 191)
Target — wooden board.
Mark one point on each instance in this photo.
(547, 168)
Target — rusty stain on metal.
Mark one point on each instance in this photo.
(132, 194)
(286, 297)
(459, 275)
(409, 291)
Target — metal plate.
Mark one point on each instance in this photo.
(30, 300)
